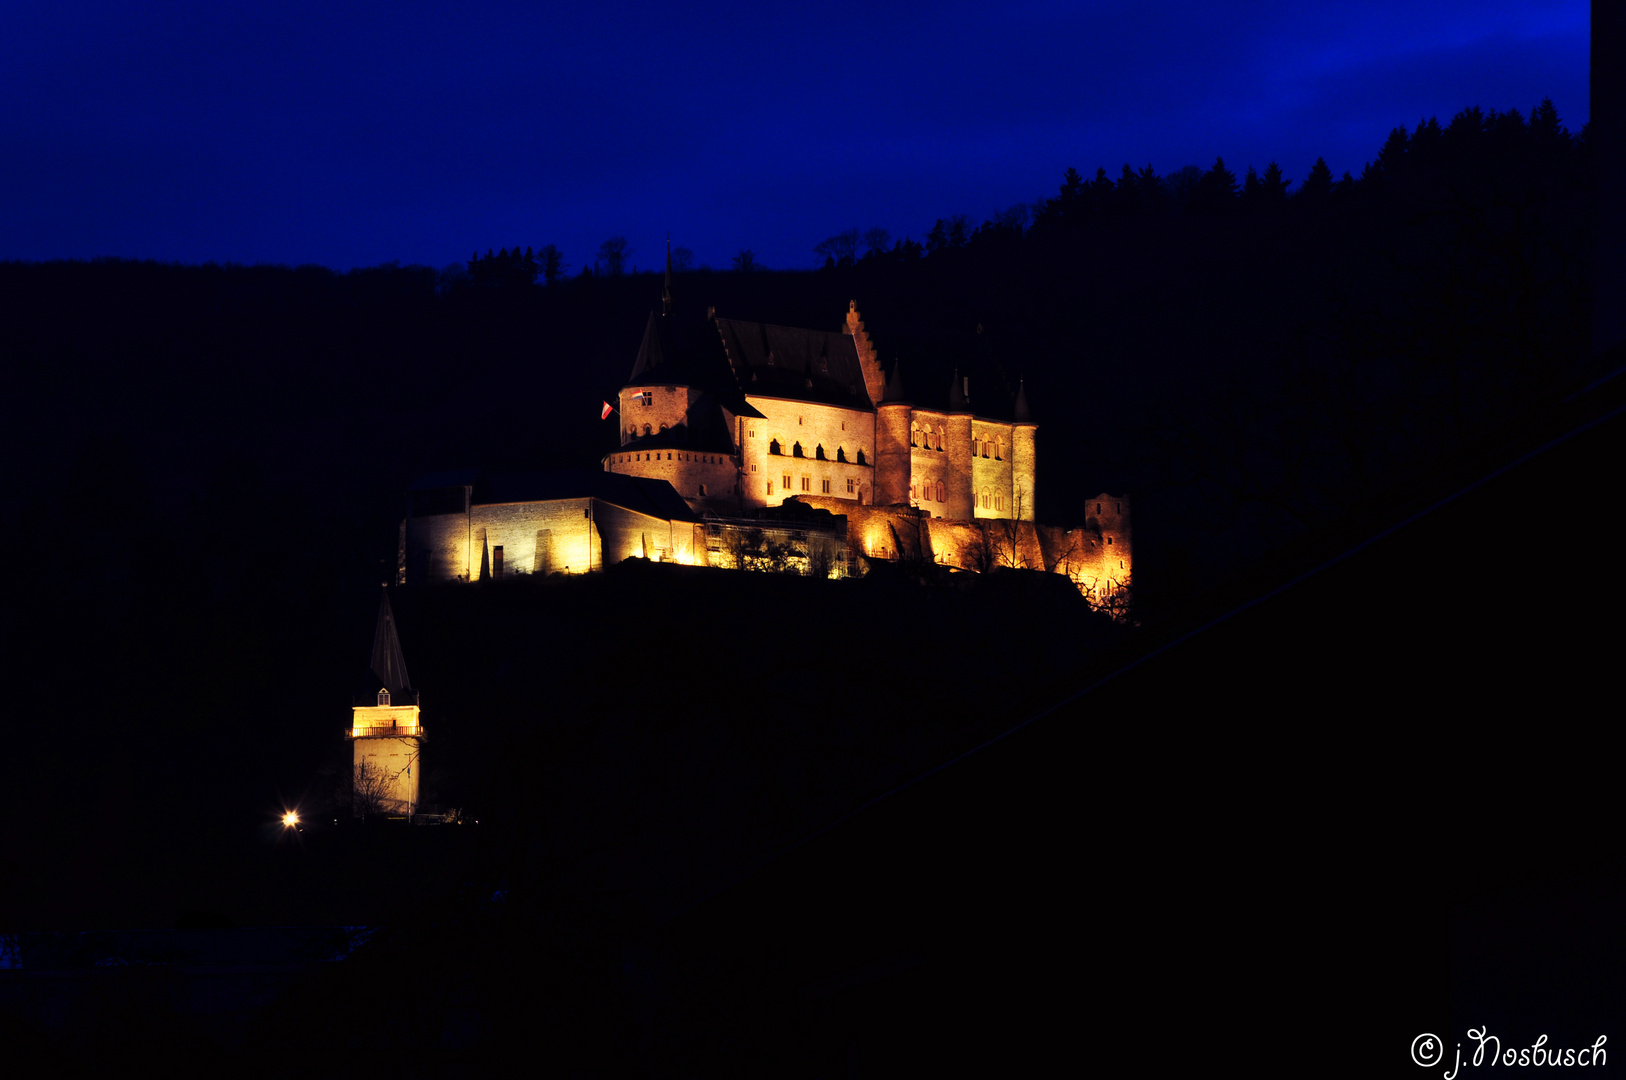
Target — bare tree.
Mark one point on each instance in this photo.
(876, 241)
(746, 263)
(682, 259)
(841, 249)
(371, 790)
(612, 256)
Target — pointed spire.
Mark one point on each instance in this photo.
(956, 393)
(485, 559)
(389, 666)
(1022, 415)
(666, 290)
(894, 384)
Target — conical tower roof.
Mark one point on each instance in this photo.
(894, 384)
(1022, 416)
(957, 396)
(389, 666)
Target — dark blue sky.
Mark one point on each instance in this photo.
(352, 133)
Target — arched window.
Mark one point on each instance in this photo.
(818, 452)
(796, 451)
(914, 434)
(860, 457)
(773, 447)
(383, 696)
(841, 455)
(985, 445)
(663, 427)
(999, 449)
(940, 491)
(648, 430)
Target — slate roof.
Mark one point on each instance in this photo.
(802, 365)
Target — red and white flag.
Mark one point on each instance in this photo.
(605, 415)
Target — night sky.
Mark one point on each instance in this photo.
(355, 134)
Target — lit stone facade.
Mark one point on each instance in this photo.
(744, 415)
(468, 526)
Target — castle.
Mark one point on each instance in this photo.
(746, 444)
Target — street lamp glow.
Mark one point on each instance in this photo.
(290, 819)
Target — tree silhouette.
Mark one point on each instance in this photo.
(552, 263)
(612, 256)
(746, 262)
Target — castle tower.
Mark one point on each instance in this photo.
(1024, 472)
(385, 731)
(892, 461)
(957, 449)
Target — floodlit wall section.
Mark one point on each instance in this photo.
(699, 478)
(396, 760)
(570, 536)
(790, 424)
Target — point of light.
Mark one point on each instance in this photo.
(291, 818)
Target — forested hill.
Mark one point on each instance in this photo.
(1243, 357)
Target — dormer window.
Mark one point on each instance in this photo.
(773, 447)
(860, 457)
(818, 452)
(796, 451)
(383, 697)
(841, 455)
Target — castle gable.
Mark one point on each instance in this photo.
(800, 365)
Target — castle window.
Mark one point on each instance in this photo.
(787, 481)
(663, 427)
(702, 489)
(770, 487)
(383, 697)
(773, 447)
(1109, 541)
(753, 467)
(999, 449)
(826, 487)
(940, 491)
(849, 485)
(818, 452)
(860, 457)
(914, 434)
(913, 492)
(646, 398)
(648, 430)
(751, 433)
(496, 561)
(796, 451)
(807, 483)
(841, 455)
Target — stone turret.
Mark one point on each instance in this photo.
(892, 461)
(1024, 470)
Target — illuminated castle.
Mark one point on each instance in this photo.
(739, 436)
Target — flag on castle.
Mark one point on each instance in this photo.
(605, 415)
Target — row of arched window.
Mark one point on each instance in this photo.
(672, 455)
(928, 491)
(796, 450)
(926, 437)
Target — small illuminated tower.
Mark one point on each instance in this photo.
(385, 730)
